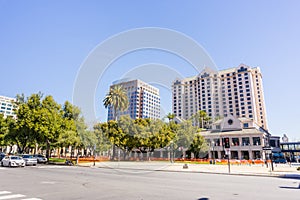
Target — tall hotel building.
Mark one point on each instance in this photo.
(144, 100)
(236, 91)
(7, 107)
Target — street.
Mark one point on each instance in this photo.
(62, 182)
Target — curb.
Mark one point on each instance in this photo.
(202, 172)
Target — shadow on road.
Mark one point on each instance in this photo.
(290, 176)
(288, 187)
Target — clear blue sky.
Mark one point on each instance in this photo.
(44, 43)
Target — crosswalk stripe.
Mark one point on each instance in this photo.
(12, 196)
(4, 192)
(32, 199)
(9, 195)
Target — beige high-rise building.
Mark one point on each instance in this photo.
(235, 91)
(144, 99)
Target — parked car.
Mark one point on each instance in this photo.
(13, 161)
(29, 159)
(279, 160)
(40, 158)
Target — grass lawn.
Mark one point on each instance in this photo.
(59, 160)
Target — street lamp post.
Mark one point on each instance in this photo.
(172, 151)
(213, 151)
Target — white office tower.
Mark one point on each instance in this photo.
(7, 106)
(144, 100)
(235, 91)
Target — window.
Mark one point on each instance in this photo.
(256, 141)
(245, 141)
(246, 125)
(235, 142)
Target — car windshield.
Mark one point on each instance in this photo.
(15, 158)
(27, 156)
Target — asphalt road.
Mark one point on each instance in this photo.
(62, 182)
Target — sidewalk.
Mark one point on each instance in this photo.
(282, 170)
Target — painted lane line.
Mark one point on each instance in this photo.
(32, 199)
(12, 196)
(4, 192)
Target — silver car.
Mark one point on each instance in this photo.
(29, 159)
(13, 161)
(40, 158)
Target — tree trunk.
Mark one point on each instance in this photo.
(125, 153)
(48, 150)
(113, 152)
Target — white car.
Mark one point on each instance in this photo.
(29, 159)
(13, 161)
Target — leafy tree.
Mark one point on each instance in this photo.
(50, 122)
(114, 133)
(130, 131)
(199, 146)
(155, 134)
(3, 129)
(185, 135)
(25, 133)
(78, 133)
(143, 134)
(117, 99)
(6, 124)
(10, 124)
(103, 143)
(42, 121)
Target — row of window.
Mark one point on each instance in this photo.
(7, 112)
(237, 141)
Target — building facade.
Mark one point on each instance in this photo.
(144, 100)
(235, 91)
(246, 139)
(7, 107)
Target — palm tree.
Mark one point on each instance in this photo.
(170, 116)
(201, 117)
(117, 99)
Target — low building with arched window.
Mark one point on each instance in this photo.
(246, 139)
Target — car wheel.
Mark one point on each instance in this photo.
(9, 164)
(1, 164)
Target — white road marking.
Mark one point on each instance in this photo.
(4, 192)
(9, 195)
(51, 167)
(12, 196)
(32, 199)
(48, 182)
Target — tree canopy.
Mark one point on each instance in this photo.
(117, 99)
(42, 121)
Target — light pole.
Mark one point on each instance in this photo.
(172, 151)
(213, 152)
